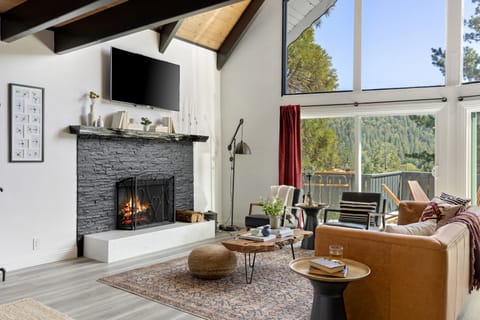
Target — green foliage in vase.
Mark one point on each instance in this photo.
(272, 207)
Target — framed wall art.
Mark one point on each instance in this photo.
(26, 123)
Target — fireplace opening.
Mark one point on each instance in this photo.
(145, 202)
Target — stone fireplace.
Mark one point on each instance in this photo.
(106, 156)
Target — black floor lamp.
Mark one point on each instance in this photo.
(234, 149)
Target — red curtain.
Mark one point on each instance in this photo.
(290, 148)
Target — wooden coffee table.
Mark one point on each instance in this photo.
(250, 248)
(328, 291)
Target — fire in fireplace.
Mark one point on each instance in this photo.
(145, 202)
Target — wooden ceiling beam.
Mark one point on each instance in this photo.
(237, 32)
(167, 33)
(32, 16)
(129, 17)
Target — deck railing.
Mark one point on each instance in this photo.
(327, 187)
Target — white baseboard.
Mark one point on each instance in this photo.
(39, 257)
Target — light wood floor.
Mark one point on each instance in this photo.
(71, 287)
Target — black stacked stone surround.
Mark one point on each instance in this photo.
(104, 156)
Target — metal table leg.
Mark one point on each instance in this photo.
(250, 265)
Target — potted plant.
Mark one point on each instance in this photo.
(146, 123)
(273, 209)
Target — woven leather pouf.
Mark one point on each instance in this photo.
(211, 261)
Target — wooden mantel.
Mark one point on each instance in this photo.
(125, 133)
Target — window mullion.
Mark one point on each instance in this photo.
(454, 43)
(357, 47)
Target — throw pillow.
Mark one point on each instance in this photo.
(350, 210)
(424, 228)
(438, 209)
(454, 199)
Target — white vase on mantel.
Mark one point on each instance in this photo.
(91, 118)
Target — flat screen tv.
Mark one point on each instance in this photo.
(142, 80)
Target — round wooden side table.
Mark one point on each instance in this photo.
(328, 301)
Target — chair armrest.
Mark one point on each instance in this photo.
(410, 211)
(253, 204)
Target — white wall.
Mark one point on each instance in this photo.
(251, 89)
(39, 199)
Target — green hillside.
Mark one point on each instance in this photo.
(391, 143)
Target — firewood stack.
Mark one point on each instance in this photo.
(189, 216)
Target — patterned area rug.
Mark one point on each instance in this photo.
(29, 309)
(275, 293)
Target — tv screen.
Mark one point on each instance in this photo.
(141, 80)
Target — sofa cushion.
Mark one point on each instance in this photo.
(423, 228)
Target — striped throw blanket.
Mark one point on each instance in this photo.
(472, 221)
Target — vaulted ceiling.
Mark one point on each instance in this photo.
(214, 24)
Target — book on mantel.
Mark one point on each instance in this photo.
(249, 236)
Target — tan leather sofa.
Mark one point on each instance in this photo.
(412, 277)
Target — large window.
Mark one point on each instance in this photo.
(471, 41)
(392, 149)
(319, 46)
(401, 44)
(397, 42)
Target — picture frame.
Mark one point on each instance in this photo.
(26, 106)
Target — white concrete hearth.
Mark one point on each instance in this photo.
(117, 245)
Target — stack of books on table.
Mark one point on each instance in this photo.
(249, 236)
(328, 267)
(282, 232)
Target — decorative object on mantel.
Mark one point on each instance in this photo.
(117, 120)
(132, 125)
(91, 115)
(99, 122)
(124, 133)
(26, 123)
(146, 123)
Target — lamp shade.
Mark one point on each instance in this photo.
(242, 148)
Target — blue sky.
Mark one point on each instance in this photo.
(397, 37)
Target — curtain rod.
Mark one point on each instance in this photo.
(356, 104)
(461, 98)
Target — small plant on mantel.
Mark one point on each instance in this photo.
(145, 121)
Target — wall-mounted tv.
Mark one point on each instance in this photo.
(141, 80)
